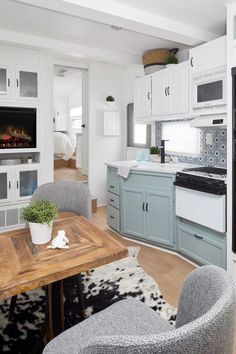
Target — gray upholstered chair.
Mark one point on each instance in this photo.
(205, 322)
(71, 196)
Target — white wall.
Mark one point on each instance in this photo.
(107, 80)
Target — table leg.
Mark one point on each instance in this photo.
(55, 309)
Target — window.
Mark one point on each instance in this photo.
(138, 135)
(76, 118)
(183, 139)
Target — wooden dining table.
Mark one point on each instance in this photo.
(25, 266)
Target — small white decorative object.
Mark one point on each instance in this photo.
(60, 241)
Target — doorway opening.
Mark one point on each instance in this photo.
(70, 123)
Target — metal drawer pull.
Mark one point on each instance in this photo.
(199, 237)
(143, 206)
(8, 82)
(111, 200)
(147, 207)
(112, 217)
(112, 187)
(9, 184)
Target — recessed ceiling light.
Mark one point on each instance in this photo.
(116, 28)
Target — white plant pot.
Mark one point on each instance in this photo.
(40, 233)
(155, 158)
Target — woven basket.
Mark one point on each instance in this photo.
(157, 56)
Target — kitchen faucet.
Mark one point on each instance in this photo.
(162, 147)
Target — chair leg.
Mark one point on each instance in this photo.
(12, 307)
(81, 297)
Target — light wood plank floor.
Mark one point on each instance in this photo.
(68, 174)
(168, 270)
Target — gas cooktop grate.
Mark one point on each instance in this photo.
(208, 169)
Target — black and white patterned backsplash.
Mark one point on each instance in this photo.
(210, 155)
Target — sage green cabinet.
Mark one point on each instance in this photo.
(201, 244)
(133, 217)
(160, 217)
(113, 199)
(147, 209)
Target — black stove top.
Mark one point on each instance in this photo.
(208, 169)
(205, 179)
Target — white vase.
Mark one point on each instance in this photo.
(155, 158)
(40, 233)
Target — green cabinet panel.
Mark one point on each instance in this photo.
(113, 200)
(160, 217)
(160, 181)
(133, 216)
(201, 245)
(113, 218)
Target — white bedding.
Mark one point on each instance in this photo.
(62, 146)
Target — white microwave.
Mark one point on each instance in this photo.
(209, 89)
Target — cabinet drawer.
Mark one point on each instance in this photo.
(200, 247)
(113, 186)
(113, 218)
(113, 200)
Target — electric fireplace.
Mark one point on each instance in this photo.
(18, 128)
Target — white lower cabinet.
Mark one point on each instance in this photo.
(17, 184)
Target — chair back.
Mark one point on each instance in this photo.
(71, 196)
(205, 321)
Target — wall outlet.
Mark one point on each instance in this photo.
(209, 138)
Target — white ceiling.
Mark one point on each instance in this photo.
(33, 20)
(61, 20)
(208, 15)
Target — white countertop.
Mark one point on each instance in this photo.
(168, 167)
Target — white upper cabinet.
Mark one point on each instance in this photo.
(5, 81)
(170, 91)
(163, 93)
(178, 89)
(160, 99)
(208, 56)
(142, 98)
(19, 83)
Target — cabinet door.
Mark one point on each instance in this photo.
(142, 98)
(133, 213)
(160, 216)
(5, 186)
(200, 246)
(26, 182)
(160, 98)
(5, 82)
(27, 84)
(178, 88)
(208, 56)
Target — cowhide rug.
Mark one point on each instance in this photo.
(102, 287)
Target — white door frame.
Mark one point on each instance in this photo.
(85, 115)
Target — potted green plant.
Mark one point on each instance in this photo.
(40, 216)
(154, 154)
(110, 101)
(171, 60)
